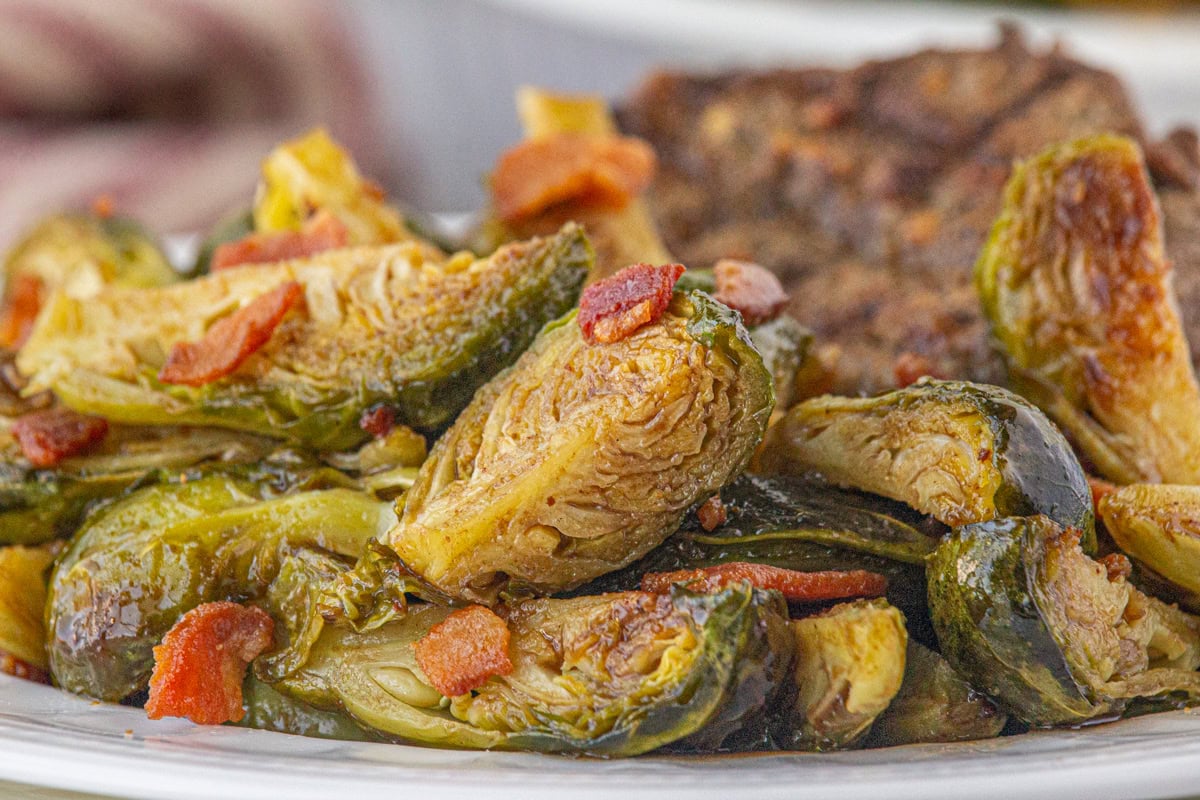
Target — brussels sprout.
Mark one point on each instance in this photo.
(1042, 629)
(614, 675)
(1159, 527)
(1078, 291)
(621, 236)
(314, 173)
(960, 452)
(934, 705)
(583, 457)
(22, 602)
(142, 562)
(849, 666)
(269, 710)
(380, 326)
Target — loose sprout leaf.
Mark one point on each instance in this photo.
(1159, 526)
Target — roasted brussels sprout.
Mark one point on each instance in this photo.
(583, 457)
(270, 710)
(1078, 291)
(616, 674)
(960, 452)
(142, 562)
(22, 603)
(1159, 527)
(934, 705)
(378, 325)
(849, 666)
(1044, 630)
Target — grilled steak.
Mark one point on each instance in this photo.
(871, 190)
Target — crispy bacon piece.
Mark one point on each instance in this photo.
(18, 668)
(378, 421)
(1100, 490)
(604, 171)
(231, 340)
(48, 436)
(200, 665)
(1117, 565)
(750, 289)
(804, 587)
(22, 302)
(465, 649)
(615, 307)
(712, 514)
(911, 367)
(104, 206)
(323, 231)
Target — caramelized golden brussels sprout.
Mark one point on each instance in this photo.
(142, 562)
(22, 604)
(960, 452)
(377, 325)
(614, 675)
(583, 457)
(1045, 631)
(934, 705)
(1078, 291)
(1159, 527)
(849, 666)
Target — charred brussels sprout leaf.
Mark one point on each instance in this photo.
(934, 705)
(141, 563)
(582, 457)
(849, 666)
(23, 572)
(1078, 291)
(612, 675)
(1159, 527)
(1041, 628)
(269, 710)
(378, 325)
(960, 452)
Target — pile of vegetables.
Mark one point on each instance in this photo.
(556, 493)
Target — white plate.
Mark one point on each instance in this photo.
(54, 739)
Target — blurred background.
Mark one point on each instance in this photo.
(167, 106)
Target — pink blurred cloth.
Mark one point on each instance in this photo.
(167, 106)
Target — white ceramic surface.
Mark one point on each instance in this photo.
(50, 738)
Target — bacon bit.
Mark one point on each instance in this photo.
(712, 514)
(373, 190)
(599, 171)
(378, 421)
(911, 367)
(22, 302)
(200, 665)
(323, 231)
(231, 340)
(750, 289)
(1118, 566)
(103, 206)
(48, 436)
(18, 668)
(1100, 490)
(615, 307)
(804, 587)
(465, 649)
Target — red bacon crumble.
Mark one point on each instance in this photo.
(1118, 566)
(1100, 490)
(465, 649)
(712, 514)
(804, 587)
(604, 171)
(22, 302)
(322, 232)
(750, 289)
(103, 206)
(18, 668)
(378, 421)
(911, 367)
(231, 340)
(615, 307)
(47, 437)
(200, 665)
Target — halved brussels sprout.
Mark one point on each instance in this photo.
(583, 457)
(1042, 629)
(613, 675)
(380, 325)
(934, 705)
(1078, 291)
(142, 562)
(1159, 527)
(960, 452)
(849, 666)
(23, 602)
